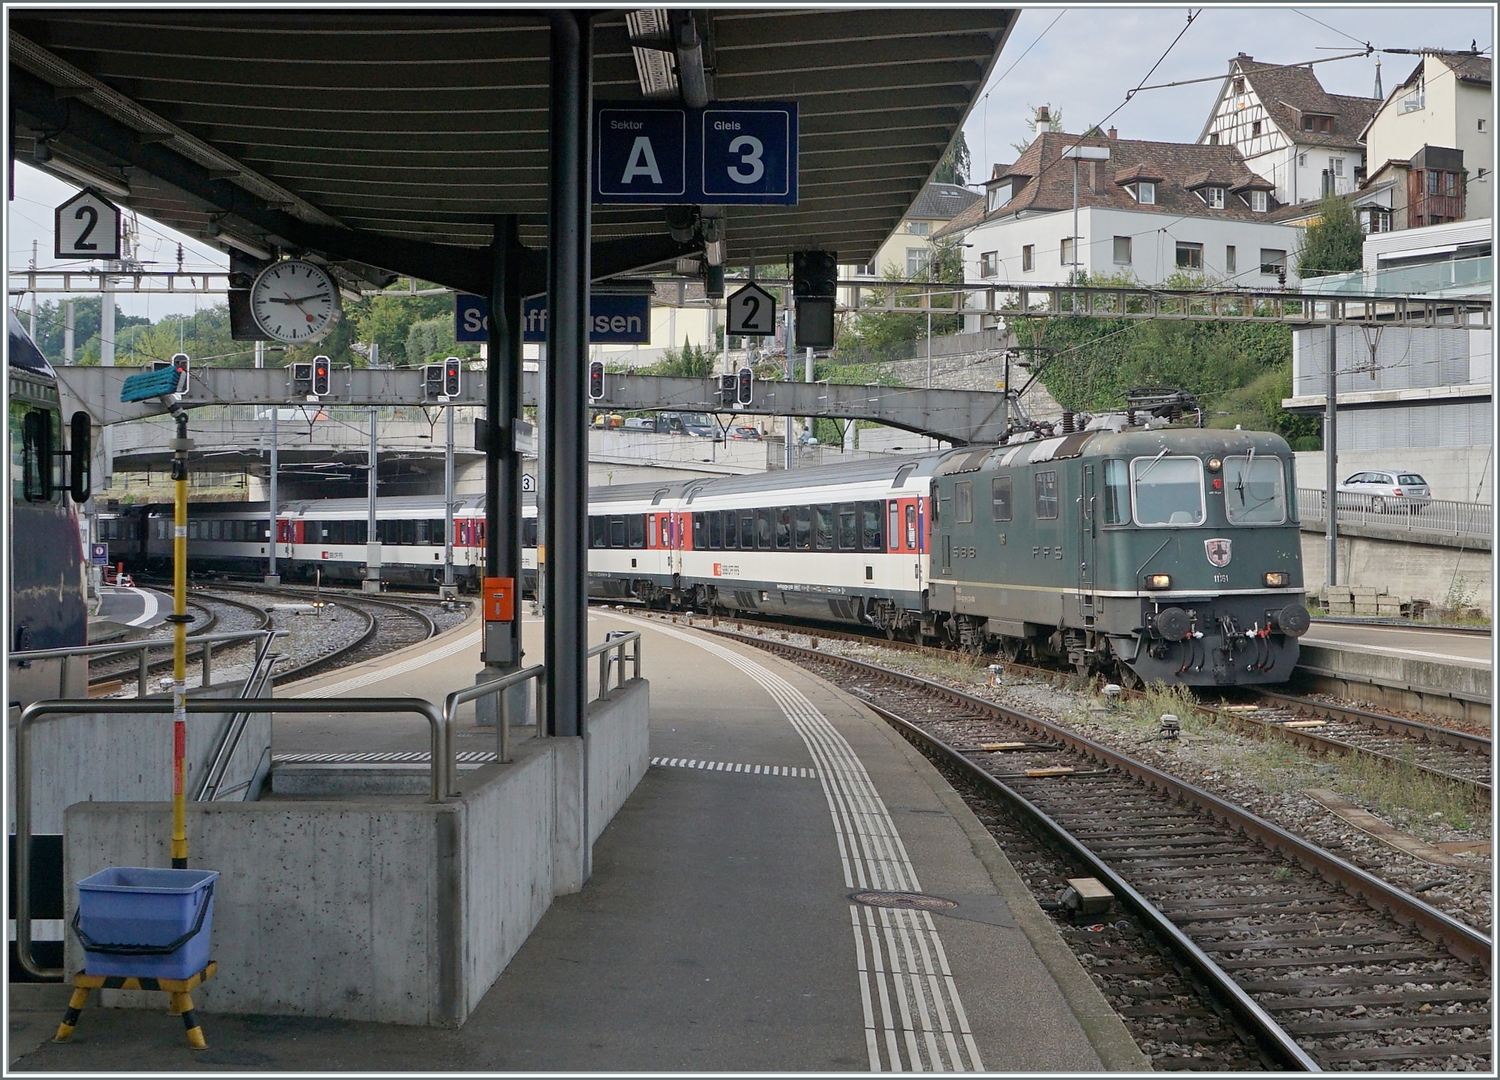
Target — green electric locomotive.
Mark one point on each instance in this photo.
(1167, 554)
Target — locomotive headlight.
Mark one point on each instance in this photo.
(1214, 464)
(1278, 579)
(1158, 581)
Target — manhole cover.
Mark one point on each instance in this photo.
(908, 901)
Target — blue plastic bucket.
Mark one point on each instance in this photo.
(135, 920)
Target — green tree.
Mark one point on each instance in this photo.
(691, 362)
(50, 328)
(954, 168)
(387, 320)
(890, 335)
(1334, 243)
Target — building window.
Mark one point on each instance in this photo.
(1255, 129)
(1213, 138)
(1433, 181)
(919, 228)
(1065, 249)
(999, 195)
(1481, 123)
(989, 264)
(1258, 201)
(1239, 84)
(1301, 161)
(916, 261)
(1376, 219)
(1028, 257)
(1272, 260)
(865, 270)
(1189, 256)
(1450, 183)
(1229, 259)
(1213, 196)
(1337, 165)
(1145, 193)
(1122, 250)
(1321, 124)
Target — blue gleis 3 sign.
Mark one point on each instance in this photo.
(728, 153)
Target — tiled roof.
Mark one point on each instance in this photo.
(1176, 165)
(1287, 92)
(1467, 67)
(940, 202)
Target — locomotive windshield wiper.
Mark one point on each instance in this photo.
(1142, 475)
(1240, 485)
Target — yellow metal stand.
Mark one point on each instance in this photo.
(179, 991)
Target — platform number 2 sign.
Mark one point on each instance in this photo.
(87, 226)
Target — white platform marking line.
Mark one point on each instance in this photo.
(1389, 650)
(354, 682)
(878, 970)
(867, 834)
(149, 607)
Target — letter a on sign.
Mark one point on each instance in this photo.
(642, 162)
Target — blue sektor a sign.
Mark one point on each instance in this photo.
(736, 153)
(613, 320)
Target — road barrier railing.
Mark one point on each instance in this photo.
(1439, 517)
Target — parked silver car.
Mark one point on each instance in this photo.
(1381, 490)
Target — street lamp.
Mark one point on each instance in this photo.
(1081, 153)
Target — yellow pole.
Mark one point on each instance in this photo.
(180, 447)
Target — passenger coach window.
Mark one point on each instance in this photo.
(700, 533)
(598, 532)
(823, 527)
(616, 532)
(784, 529)
(763, 529)
(1046, 495)
(635, 526)
(911, 527)
(528, 532)
(893, 527)
(848, 527)
(1000, 497)
(804, 528)
(715, 531)
(747, 530)
(1254, 490)
(1168, 490)
(731, 529)
(963, 501)
(869, 533)
(1116, 493)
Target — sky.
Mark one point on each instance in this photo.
(1082, 61)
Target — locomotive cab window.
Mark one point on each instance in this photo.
(963, 502)
(1168, 490)
(32, 449)
(1116, 492)
(1000, 498)
(1046, 495)
(1254, 490)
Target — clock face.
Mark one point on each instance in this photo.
(295, 301)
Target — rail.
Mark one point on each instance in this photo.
(142, 647)
(441, 762)
(1440, 517)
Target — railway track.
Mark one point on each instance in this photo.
(1322, 963)
(210, 613)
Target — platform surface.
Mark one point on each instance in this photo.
(718, 931)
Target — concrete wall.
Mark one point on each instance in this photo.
(1411, 571)
(389, 909)
(101, 757)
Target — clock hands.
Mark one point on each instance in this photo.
(295, 299)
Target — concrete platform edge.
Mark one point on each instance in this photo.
(1106, 1032)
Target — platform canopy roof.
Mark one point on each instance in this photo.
(417, 127)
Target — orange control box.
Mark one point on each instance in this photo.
(499, 599)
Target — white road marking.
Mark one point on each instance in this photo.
(380, 674)
(912, 968)
(149, 604)
(731, 766)
(1391, 651)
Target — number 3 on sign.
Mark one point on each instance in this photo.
(750, 150)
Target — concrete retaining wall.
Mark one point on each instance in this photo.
(387, 909)
(1413, 571)
(103, 757)
(1461, 691)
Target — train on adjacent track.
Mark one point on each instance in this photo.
(46, 576)
(1148, 554)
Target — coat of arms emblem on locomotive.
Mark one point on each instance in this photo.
(1217, 550)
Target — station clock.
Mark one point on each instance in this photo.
(295, 301)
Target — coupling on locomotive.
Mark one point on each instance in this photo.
(1144, 554)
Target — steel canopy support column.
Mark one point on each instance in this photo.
(566, 480)
(502, 474)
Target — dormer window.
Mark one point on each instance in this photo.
(1322, 125)
(999, 196)
(1213, 196)
(1144, 192)
(1258, 201)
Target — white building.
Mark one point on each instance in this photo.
(1430, 147)
(1150, 210)
(1290, 130)
(1410, 398)
(908, 250)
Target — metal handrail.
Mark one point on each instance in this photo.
(615, 642)
(143, 646)
(260, 674)
(40, 710)
(1438, 517)
(484, 689)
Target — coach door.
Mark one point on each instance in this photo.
(1088, 528)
